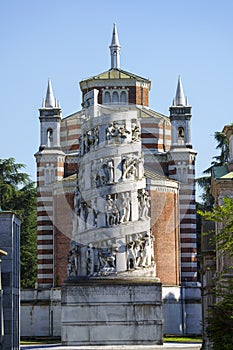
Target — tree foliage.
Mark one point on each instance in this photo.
(223, 215)
(220, 323)
(18, 194)
(222, 144)
(220, 316)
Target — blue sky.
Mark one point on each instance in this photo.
(69, 40)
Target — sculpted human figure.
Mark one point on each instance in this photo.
(82, 215)
(116, 130)
(109, 206)
(110, 171)
(136, 132)
(140, 168)
(137, 252)
(123, 131)
(111, 255)
(90, 138)
(121, 204)
(146, 252)
(72, 257)
(90, 259)
(127, 206)
(128, 168)
(101, 177)
(131, 258)
(90, 217)
(144, 204)
(96, 136)
(109, 129)
(108, 259)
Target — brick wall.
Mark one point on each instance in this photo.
(63, 209)
(165, 229)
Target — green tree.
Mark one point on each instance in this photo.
(18, 193)
(222, 143)
(220, 318)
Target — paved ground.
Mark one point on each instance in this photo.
(165, 346)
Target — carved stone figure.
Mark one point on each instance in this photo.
(90, 260)
(114, 130)
(123, 205)
(110, 171)
(131, 258)
(123, 131)
(91, 217)
(137, 252)
(146, 252)
(140, 168)
(112, 213)
(144, 204)
(96, 136)
(129, 168)
(109, 130)
(101, 176)
(73, 256)
(108, 259)
(140, 252)
(109, 210)
(136, 132)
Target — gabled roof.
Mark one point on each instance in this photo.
(116, 73)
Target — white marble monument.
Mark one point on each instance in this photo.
(112, 295)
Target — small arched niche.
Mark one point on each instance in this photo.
(49, 137)
(180, 135)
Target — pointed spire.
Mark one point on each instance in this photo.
(180, 98)
(115, 49)
(115, 39)
(49, 99)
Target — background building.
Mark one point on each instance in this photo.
(213, 263)
(169, 169)
(169, 163)
(10, 243)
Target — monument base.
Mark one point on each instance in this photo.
(109, 311)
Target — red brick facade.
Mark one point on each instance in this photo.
(165, 229)
(63, 209)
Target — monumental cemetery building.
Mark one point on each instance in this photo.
(166, 166)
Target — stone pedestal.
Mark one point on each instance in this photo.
(109, 311)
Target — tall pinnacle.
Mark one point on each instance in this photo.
(115, 49)
(180, 99)
(49, 99)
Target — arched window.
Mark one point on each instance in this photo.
(115, 97)
(49, 137)
(180, 135)
(107, 97)
(123, 97)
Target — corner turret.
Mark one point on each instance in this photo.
(50, 120)
(180, 115)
